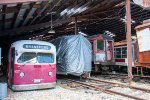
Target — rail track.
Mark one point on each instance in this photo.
(105, 86)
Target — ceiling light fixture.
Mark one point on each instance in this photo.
(51, 30)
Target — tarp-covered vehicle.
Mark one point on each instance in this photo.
(74, 55)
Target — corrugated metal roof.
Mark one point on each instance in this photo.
(98, 16)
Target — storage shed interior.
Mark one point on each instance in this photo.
(31, 19)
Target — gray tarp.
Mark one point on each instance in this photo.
(74, 54)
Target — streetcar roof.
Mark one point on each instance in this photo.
(19, 44)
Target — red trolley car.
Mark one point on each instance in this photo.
(32, 65)
(120, 53)
(103, 49)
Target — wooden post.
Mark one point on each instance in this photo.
(142, 72)
(137, 70)
(129, 43)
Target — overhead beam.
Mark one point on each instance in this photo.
(17, 31)
(15, 8)
(38, 12)
(73, 5)
(25, 16)
(70, 5)
(102, 5)
(18, 18)
(2, 2)
(50, 9)
(16, 15)
(6, 20)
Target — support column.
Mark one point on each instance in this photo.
(142, 72)
(137, 70)
(128, 36)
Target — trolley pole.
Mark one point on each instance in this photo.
(129, 43)
(76, 29)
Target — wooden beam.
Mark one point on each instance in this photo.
(9, 10)
(82, 4)
(15, 8)
(50, 9)
(38, 12)
(2, 2)
(63, 6)
(6, 20)
(102, 14)
(25, 16)
(72, 5)
(16, 15)
(18, 18)
(101, 5)
(16, 31)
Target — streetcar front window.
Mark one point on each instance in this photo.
(45, 58)
(30, 57)
(26, 57)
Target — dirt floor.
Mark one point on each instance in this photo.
(61, 93)
(64, 92)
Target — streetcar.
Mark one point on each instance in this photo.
(103, 51)
(31, 65)
(120, 53)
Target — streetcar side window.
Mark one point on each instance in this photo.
(115, 52)
(26, 56)
(45, 58)
(100, 45)
(118, 53)
(124, 52)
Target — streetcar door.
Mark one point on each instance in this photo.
(100, 53)
(109, 50)
(11, 65)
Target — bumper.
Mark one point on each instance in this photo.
(33, 86)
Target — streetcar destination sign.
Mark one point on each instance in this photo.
(36, 46)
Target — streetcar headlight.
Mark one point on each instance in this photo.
(50, 73)
(22, 74)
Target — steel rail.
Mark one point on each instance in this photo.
(126, 75)
(105, 90)
(132, 87)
